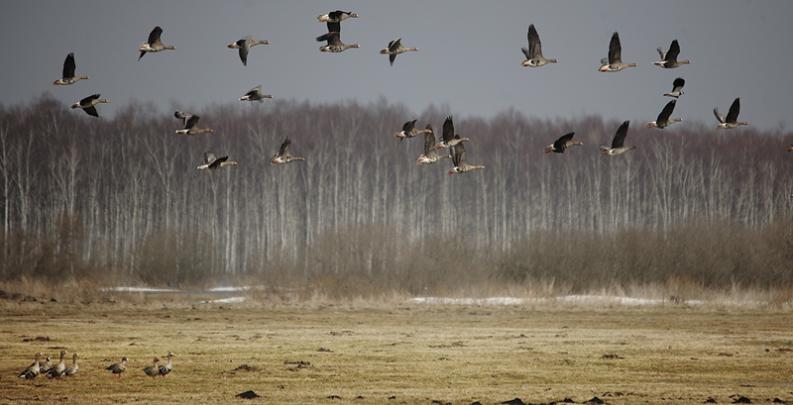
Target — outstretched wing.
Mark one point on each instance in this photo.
(678, 84)
(615, 49)
(619, 137)
(394, 45)
(429, 140)
(535, 46)
(735, 109)
(457, 152)
(216, 163)
(408, 126)
(91, 111)
(718, 115)
(89, 99)
(284, 147)
(666, 112)
(243, 53)
(674, 50)
(254, 91)
(561, 143)
(69, 66)
(209, 157)
(448, 130)
(154, 35)
(191, 121)
(660, 53)
(182, 116)
(391, 58)
(334, 26)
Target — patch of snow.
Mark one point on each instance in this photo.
(229, 300)
(140, 289)
(468, 301)
(229, 288)
(574, 299)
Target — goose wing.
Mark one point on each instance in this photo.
(457, 152)
(391, 58)
(334, 26)
(660, 53)
(615, 49)
(619, 137)
(243, 50)
(216, 163)
(154, 35)
(561, 143)
(735, 109)
(336, 15)
(284, 147)
(191, 121)
(88, 101)
(209, 157)
(408, 126)
(394, 45)
(448, 130)
(254, 91)
(666, 112)
(674, 50)
(535, 46)
(91, 111)
(429, 140)
(182, 116)
(69, 66)
(718, 115)
(678, 84)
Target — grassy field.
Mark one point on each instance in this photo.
(403, 354)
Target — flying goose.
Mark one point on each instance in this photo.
(46, 365)
(614, 61)
(664, 119)
(395, 48)
(211, 162)
(333, 37)
(677, 88)
(337, 16)
(154, 44)
(409, 131)
(669, 58)
(533, 55)
(457, 152)
(429, 156)
(118, 368)
(166, 369)
(59, 369)
(245, 44)
(448, 137)
(283, 156)
(72, 370)
(255, 94)
(89, 103)
(68, 76)
(790, 148)
(189, 122)
(33, 370)
(561, 144)
(732, 116)
(618, 144)
(154, 369)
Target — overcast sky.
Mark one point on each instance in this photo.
(469, 58)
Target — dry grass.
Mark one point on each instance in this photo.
(416, 354)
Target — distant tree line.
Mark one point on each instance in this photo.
(120, 199)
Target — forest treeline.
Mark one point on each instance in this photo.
(120, 199)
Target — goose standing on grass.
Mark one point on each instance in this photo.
(457, 153)
(211, 162)
(72, 370)
(154, 44)
(448, 137)
(118, 368)
(189, 122)
(669, 58)
(283, 156)
(614, 61)
(59, 369)
(333, 37)
(154, 369)
(677, 88)
(533, 55)
(429, 156)
(664, 119)
(68, 77)
(166, 369)
(255, 94)
(618, 144)
(409, 131)
(245, 45)
(731, 121)
(46, 365)
(560, 145)
(395, 48)
(337, 16)
(89, 103)
(33, 370)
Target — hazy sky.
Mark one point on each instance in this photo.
(469, 58)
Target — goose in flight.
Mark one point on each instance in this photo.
(333, 38)
(395, 48)
(283, 156)
(457, 152)
(59, 369)
(189, 122)
(664, 119)
(153, 44)
(533, 55)
(669, 58)
(560, 145)
(448, 137)
(614, 61)
(245, 44)
(72, 370)
(32, 371)
(429, 156)
(790, 148)
(337, 16)
(409, 130)
(68, 77)
(154, 369)
(89, 103)
(255, 94)
(166, 369)
(118, 368)
(618, 144)
(211, 162)
(677, 88)
(731, 121)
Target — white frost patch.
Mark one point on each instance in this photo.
(140, 289)
(573, 299)
(229, 300)
(229, 289)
